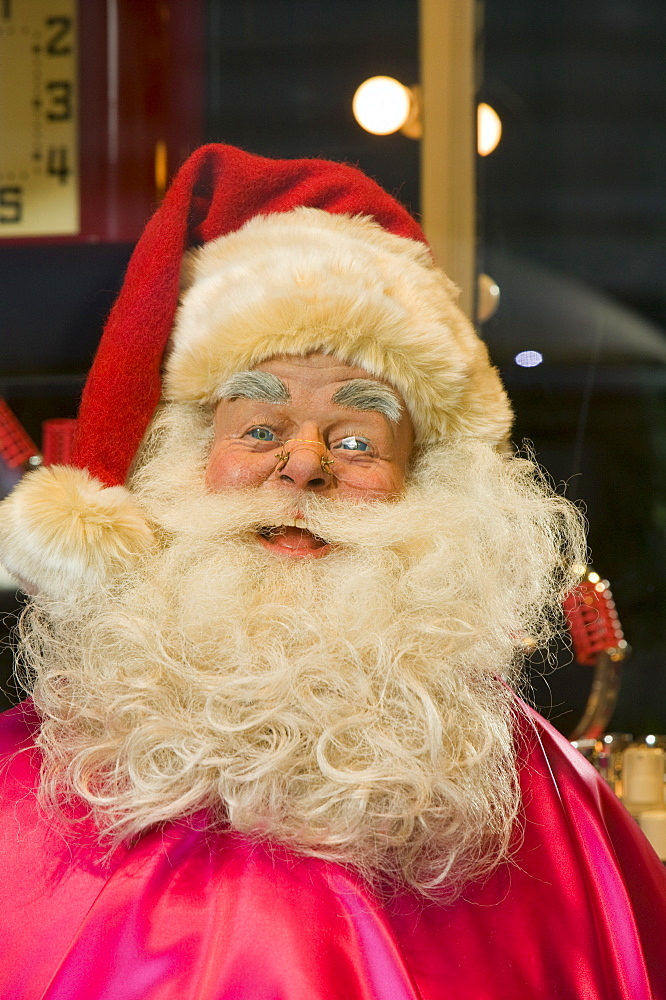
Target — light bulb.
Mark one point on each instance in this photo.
(488, 129)
(528, 359)
(487, 298)
(381, 105)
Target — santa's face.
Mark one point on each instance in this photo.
(347, 706)
(309, 425)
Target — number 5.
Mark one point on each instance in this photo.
(11, 205)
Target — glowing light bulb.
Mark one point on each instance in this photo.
(528, 359)
(487, 298)
(593, 577)
(381, 105)
(488, 129)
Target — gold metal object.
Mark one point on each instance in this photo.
(283, 456)
(602, 699)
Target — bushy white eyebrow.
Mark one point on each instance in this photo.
(366, 394)
(262, 386)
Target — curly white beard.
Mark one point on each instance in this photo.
(348, 707)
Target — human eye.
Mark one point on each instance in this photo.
(355, 444)
(261, 434)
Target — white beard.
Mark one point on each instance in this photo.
(348, 707)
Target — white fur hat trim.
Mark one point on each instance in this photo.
(63, 532)
(307, 280)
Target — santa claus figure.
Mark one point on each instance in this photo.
(279, 606)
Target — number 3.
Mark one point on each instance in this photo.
(61, 100)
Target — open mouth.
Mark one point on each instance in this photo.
(293, 539)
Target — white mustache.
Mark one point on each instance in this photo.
(236, 513)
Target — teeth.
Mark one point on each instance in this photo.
(294, 522)
(288, 522)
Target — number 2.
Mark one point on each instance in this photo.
(62, 25)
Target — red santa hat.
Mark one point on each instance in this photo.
(270, 257)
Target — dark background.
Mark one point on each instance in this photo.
(571, 221)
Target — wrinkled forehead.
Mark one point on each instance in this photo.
(278, 379)
(306, 282)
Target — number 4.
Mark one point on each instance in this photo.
(56, 163)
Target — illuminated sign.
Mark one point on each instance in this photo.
(39, 170)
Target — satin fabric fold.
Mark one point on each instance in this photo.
(185, 914)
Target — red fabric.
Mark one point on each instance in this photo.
(215, 192)
(185, 915)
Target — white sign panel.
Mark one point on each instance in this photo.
(39, 171)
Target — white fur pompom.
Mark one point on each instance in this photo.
(62, 531)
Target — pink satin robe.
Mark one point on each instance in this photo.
(184, 915)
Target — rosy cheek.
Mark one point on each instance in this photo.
(227, 468)
(382, 484)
